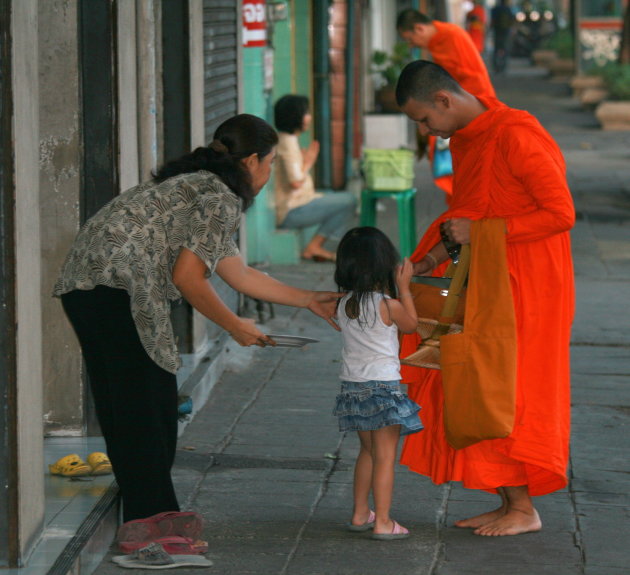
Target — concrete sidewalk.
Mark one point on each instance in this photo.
(264, 463)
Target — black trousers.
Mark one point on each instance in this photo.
(135, 399)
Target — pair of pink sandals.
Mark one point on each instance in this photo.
(178, 532)
(398, 531)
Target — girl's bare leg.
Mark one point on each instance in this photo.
(362, 479)
(384, 449)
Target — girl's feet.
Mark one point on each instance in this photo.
(365, 526)
(397, 532)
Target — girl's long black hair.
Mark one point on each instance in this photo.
(366, 262)
(235, 139)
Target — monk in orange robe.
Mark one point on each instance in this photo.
(506, 166)
(476, 25)
(452, 48)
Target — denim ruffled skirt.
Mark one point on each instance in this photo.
(370, 405)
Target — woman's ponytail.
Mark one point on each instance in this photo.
(235, 139)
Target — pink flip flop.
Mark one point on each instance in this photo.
(398, 532)
(183, 523)
(172, 544)
(369, 524)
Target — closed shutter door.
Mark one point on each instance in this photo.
(220, 20)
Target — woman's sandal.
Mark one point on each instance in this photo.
(172, 544)
(369, 524)
(70, 466)
(153, 556)
(184, 523)
(398, 532)
(99, 463)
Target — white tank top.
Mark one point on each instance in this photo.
(370, 348)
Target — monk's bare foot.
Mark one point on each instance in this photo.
(481, 520)
(514, 522)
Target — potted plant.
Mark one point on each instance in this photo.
(562, 44)
(387, 68)
(614, 112)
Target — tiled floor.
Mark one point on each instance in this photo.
(68, 502)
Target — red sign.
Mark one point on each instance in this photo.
(254, 23)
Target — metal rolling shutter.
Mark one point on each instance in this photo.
(220, 21)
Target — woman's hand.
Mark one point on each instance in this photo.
(245, 333)
(324, 304)
(259, 285)
(458, 230)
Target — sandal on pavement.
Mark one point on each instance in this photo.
(99, 463)
(172, 544)
(153, 556)
(183, 523)
(398, 532)
(70, 466)
(369, 524)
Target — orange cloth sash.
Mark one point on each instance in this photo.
(479, 365)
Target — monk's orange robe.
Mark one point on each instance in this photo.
(476, 26)
(507, 166)
(452, 48)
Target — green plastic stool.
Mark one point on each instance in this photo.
(406, 203)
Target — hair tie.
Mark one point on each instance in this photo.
(219, 147)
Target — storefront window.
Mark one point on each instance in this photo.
(601, 8)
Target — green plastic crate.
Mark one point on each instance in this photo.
(390, 170)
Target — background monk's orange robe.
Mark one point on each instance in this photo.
(476, 26)
(452, 48)
(507, 166)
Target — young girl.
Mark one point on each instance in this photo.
(371, 401)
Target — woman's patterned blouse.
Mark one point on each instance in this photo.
(133, 241)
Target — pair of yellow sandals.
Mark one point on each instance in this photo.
(73, 466)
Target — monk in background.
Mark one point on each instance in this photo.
(452, 48)
(476, 25)
(506, 166)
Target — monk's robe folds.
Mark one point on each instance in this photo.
(507, 166)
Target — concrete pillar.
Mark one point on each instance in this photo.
(128, 98)
(60, 184)
(29, 456)
(149, 96)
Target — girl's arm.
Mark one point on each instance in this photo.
(435, 256)
(402, 312)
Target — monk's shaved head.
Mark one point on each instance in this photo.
(407, 19)
(421, 79)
